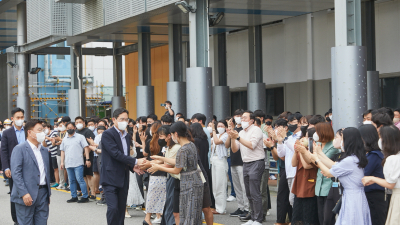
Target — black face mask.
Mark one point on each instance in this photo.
(1, 126)
(328, 119)
(130, 129)
(143, 127)
(292, 128)
(303, 129)
(70, 131)
(268, 123)
(162, 142)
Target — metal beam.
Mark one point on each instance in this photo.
(8, 4)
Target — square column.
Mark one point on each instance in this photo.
(118, 99)
(144, 92)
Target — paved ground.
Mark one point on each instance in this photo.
(89, 213)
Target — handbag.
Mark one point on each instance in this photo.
(338, 205)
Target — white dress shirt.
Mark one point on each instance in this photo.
(287, 150)
(39, 159)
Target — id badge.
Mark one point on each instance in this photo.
(335, 184)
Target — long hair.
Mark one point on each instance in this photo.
(182, 130)
(197, 131)
(390, 136)
(370, 137)
(154, 147)
(354, 145)
(164, 130)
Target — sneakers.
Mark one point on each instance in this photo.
(244, 214)
(236, 213)
(55, 185)
(247, 218)
(268, 213)
(256, 223)
(231, 198)
(156, 220)
(79, 193)
(83, 200)
(93, 197)
(127, 215)
(72, 200)
(139, 207)
(101, 202)
(250, 222)
(60, 187)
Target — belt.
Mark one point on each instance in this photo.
(253, 161)
(42, 186)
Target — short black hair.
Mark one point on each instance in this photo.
(55, 120)
(259, 113)
(179, 114)
(316, 119)
(269, 117)
(168, 102)
(166, 119)
(257, 121)
(180, 128)
(382, 119)
(101, 128)
(238, 112)
(80, 118)
(281, 122)
(223, 122)
(215, 117)
(200, 116)
(252, 117)
(152, 116)
(326, 114)
(330, 110)
(366, 112)
(388, 111)
(15, 110)
(104, 121)
(30, 125)
(143, 119)
(92, 120)
(72, 123)
(65, 119)
(297, 116)
(119, 111)
(396, 110)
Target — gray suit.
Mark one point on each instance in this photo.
(26, 176)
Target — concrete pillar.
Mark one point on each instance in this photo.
(118, 99)
(221, 93)
(23, 99)
(176, 88)
(373, 89)
(144, 92)
(74, 97)
(256, 98)
(349, 69)
(76, 81)
(199, 75)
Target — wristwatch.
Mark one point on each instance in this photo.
(238, 139)
(87, 160)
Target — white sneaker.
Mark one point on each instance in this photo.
(156, 220)
(60, 187)
(268, 213)
(250, 222)
(256, 223)
(231, 198)
(127, 215)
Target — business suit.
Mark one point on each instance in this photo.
(8, 142)
(115, 167)
(26, 175)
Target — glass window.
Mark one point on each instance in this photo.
(274, 101)
(61, 44)
(62, 106)
(390, 92)
(238, 101)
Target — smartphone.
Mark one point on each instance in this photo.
(163, 104)
(310, 144)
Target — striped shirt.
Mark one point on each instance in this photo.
(52, 149)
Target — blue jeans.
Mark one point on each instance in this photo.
(75, 174)
(230, 177)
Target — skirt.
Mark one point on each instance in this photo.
(305, 211)
(393, 216)
(134, 195)
(156, 195)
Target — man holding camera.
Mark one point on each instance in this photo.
(168, 109)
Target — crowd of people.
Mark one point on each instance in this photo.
(180, 166)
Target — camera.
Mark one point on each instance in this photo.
(163, 104)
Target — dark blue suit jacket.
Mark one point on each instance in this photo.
(26, 174)
(115, 165)
(8, 142)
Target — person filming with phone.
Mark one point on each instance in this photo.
(169, 111)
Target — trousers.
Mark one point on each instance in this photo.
(240, 190)
(252, 174)
(219, 171)
(36, 214)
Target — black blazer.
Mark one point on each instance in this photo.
(8, 142)
(115, 165)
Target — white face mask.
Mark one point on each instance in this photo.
(174, 140)
(151, 134)
(395, 120)
(221, 130)
(46, 131)
(122, 125)
(92, 128)
(176, 119)
(6, 127)
(367, 122)
(245, 124)
(330, 117)
(40, 137)
(342, 146)
(56, 128)
(61, 128)
(315, 137)
(79, 126)
(209, 129)
(336, 143)
(238, 120)
(380, 144)
(19, 123)
(137, 125)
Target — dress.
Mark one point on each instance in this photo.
(355, 209)
(191, 193)
(134, 195)
(391, 170)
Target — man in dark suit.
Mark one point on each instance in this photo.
(116, 164)
(11, 138)
(30, 166)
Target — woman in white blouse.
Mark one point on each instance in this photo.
(389, 142)
(219, 167)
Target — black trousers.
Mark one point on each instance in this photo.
(13, 211)
(116, 203)
(377, 206)
(282, 199)
(330, 203)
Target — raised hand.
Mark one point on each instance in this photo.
(271, 132)
(143, 137)
(269, 142)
